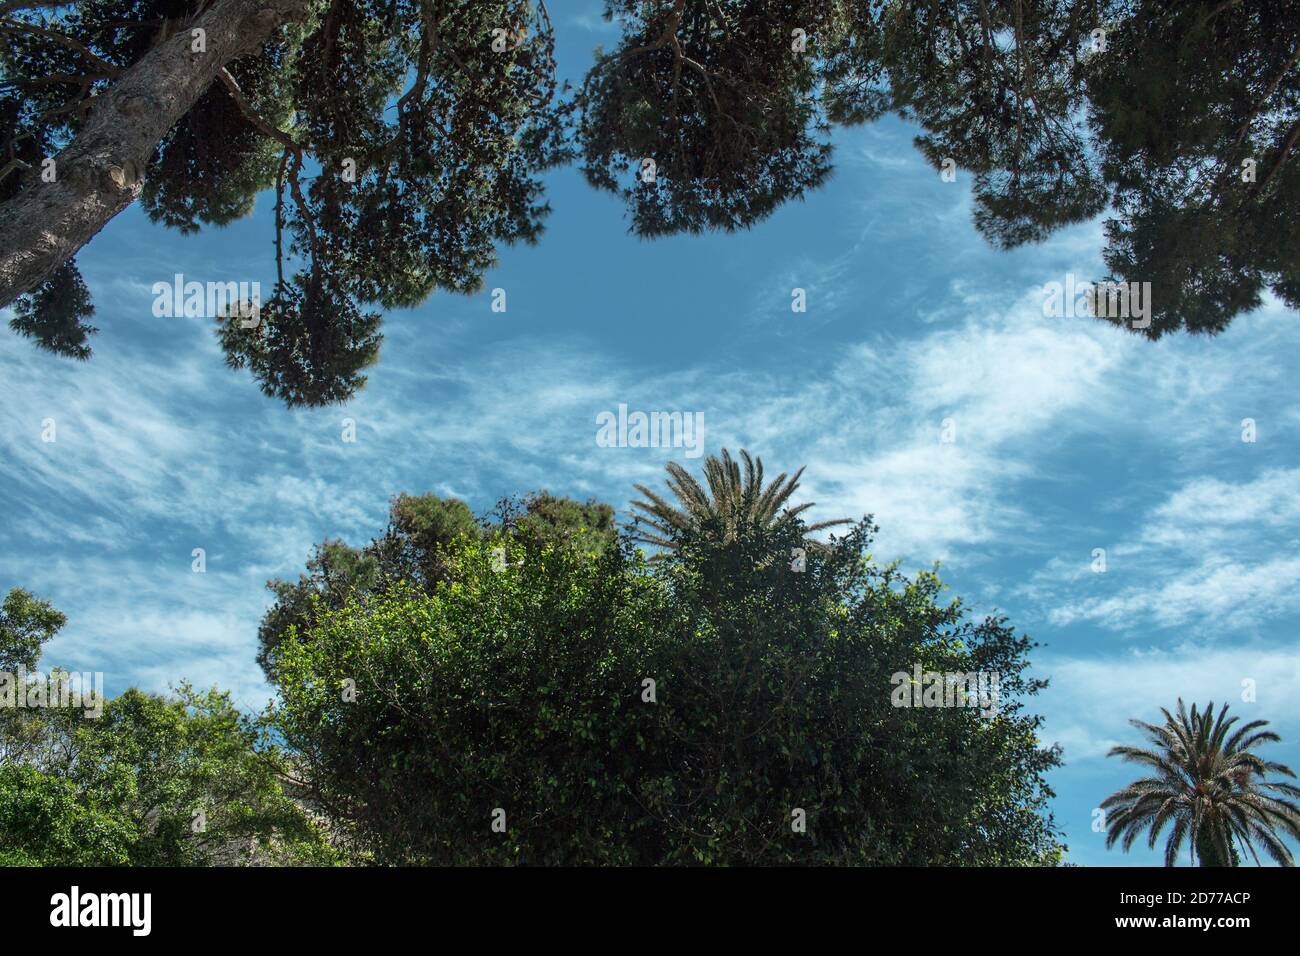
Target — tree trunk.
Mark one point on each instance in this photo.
(100, 172)
(1210, 853)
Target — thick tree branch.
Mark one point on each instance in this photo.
(260, 122)
(100, 172)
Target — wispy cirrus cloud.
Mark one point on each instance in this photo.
(1213, 553)
(1093, 698)
(137, 473)
(1066, 435)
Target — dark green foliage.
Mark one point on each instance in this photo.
(24, 142)
(425, 146)
(776, 696)
(498, 690)
(1154, 127)
(333, 572)
(308, 345)
(1210, 786)
(403, 147)
(519, 684)
(26, 624)
(415, 550)
(448, 173)
(1186, 93)
(53, 314)
(420, 176)
(166, 759)
(718, 100)
(197, 178)
(995, 88)
(420, 528)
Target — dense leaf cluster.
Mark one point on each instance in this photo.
(182, 780)
(520, 686)
(415, 550)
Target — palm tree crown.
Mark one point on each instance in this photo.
(730, 504)
(1210, 786)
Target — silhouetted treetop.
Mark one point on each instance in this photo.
(405, 140)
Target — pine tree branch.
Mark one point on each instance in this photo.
(100, 172)
(18, 27)
(263, 125)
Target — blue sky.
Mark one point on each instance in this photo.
(1071, 435)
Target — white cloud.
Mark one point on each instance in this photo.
(1213, 553)
(186, 456)
(1091, 699)
(161, 449)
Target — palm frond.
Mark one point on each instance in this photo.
(1209, 785)
(733, 496)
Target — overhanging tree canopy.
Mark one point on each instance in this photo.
(404, 140)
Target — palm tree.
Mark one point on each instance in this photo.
(1210, 785)
(729, 505)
